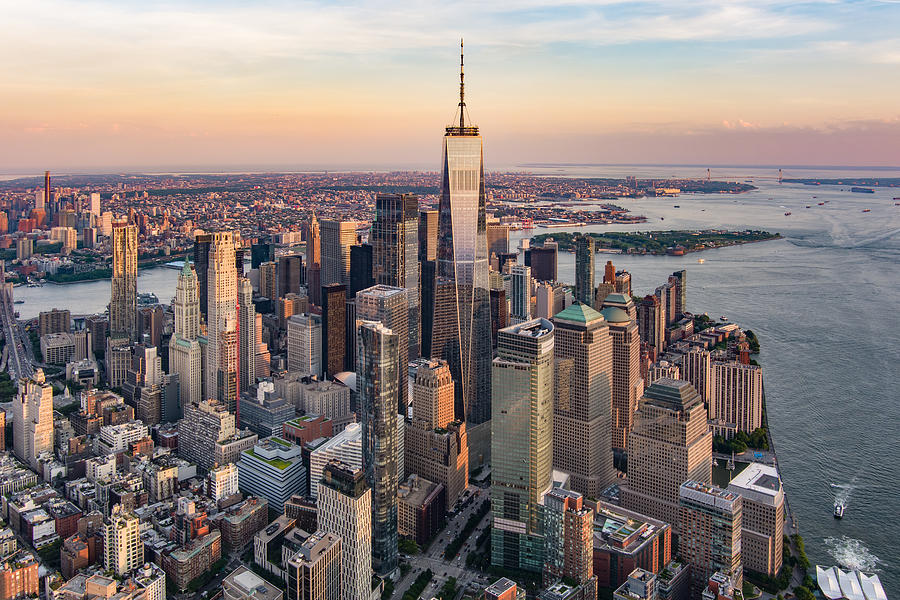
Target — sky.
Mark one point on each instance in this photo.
(110, 85)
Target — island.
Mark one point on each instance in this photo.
(661, 242)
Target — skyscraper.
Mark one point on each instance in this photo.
(184, 349)
(337, 237)
(314, 261)
(583, 399)
(334, 325)
(670, 444)
(710, 539)
(521, 443)
(123, 550)
(304, 344)
(569, 538)
(696, 368)
(268, 281)
(652, 323)
(123, 296)
(762, 522)
(314, 572)
(33, 419)
(428, 227)
(520, 298)
(202, 243)
(345, 510)
(377, 364)
(389, 305)
(222, 321)
(246, 335)
(543, 260)
(736, 399)
(395, 249)
(462, 331)
(679, 280)
(360, 268)
(627, 384)
(290, 271)
(584, 269)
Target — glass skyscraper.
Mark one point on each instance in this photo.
(462, 330)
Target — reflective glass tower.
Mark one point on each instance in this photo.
(461, 332)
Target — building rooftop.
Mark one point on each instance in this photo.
(578, 313)
(500, 586)
(614, 314)
(623, 531)
(759, 483)
(252, 585)
(672, 394)
(708, 494)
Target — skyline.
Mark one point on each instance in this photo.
(100, 86)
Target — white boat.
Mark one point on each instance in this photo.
(700, 261)
(839, 510)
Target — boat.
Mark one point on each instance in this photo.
(862, 190)
(839, 510)
(700, 261)
(867, 210)
(787, 214)
(675, 206)
(18, 302)
(723, 318)
(821, 204)
(808, 206)
(662, 218)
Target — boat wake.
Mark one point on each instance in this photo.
(842, 491)
(851, 553)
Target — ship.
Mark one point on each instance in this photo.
(862, 190)
(787, 214)
(821, 204)
(867, 210)
(839, 509)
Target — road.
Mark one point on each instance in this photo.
(434, 558)
(18, 363)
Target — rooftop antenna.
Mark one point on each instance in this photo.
(462, 87)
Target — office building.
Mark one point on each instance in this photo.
(497, 239)
(123, 290)
(389, 305)
(123, 550)
(543, 260)
(202, 245)
(345, 510)
(670, 444)
(584, 269)
(207, 435)
(521, 443)
(550, 299)
(679, 281)
(623, 282)
(462, 316)
(583, 399)
(244, 584)
(568, 538)
(334, 343)
(499, 314)
(184, 348)
(246, 336)
(652, 324)
(222, 321)
(361, 268)
(421, 509)
(268, 280)
(520, 295)
(395, 249)
(264, 412)
(710, 538)
(58, 348)
(436, 446)
(33, 419)
(428, 232)
(260, 253)
(661, 369)
(627, 384)
(377, 379)
(737, 398)
(762, 521)
(273, 469)
(345, 447)
(337, 237)
(304, 344)
(314, 261)
(314, 571)
(222, 482)
(290, 274)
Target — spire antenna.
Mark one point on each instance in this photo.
(462, 87)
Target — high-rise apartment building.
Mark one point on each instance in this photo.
(54, 321)
(521, 443)
(33, 419)
(670, 444)
(627, 384)
(428, 233)
(389, 305)
(222, 320)
(246, 336)
(710, 538)
(123, 550)
(334, 343)
(304, 344)
(314, 261)
(436, 446)
(696, 368)
(314, 572)
(123, 290)
(568, 538)
(652, 323)
(583, 399)
(520, 296)
(461, 332)
(679, 280)
(395, 249)
(736, 403)
(762, 522)
(345, 510)
(345, 447)
(377, 364)
(584, 269)
(337, 237)
(268, 280)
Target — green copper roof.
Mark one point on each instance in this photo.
(614, 314)
(617, 298)
(578, 313)
(186, 269)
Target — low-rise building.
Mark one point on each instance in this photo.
(192, 560)
(625, 540)
(421, 509)
(240, 522)
(19, 577)
(273, 469)
(243, 584)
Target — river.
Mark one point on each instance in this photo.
(824, 302)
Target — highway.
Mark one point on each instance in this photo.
(18, 363)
